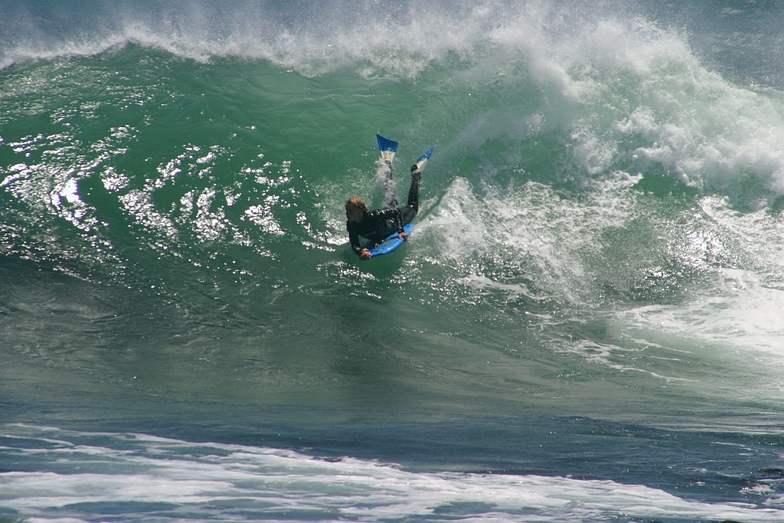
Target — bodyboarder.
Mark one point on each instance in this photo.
(380, 223)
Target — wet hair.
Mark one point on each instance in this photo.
(357, 203)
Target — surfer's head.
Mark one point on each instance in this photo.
(355, 209)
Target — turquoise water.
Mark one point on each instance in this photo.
(586, 324)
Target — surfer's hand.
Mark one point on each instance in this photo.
(403, 236)
(364, 255)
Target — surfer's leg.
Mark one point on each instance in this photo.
(408, 214)
(384, 178)
(413, 192)
(411, 210)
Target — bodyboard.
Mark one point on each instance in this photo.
(389, 244)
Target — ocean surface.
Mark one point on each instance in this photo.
(586, 325)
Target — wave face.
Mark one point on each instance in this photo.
(585, 324)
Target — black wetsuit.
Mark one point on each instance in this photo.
(377, 225)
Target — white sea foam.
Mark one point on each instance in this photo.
(170, 480)
(534, 233)
(745, 315)
(634, 97)
(740, 306)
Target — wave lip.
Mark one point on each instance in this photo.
(400, 37)
(299, 35)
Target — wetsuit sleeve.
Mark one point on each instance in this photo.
(353, 237)
(399, 220)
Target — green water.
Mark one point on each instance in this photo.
(595, 271)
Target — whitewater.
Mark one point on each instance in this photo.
(585, 325)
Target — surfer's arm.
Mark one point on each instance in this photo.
(360, 251)
(401, 233)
